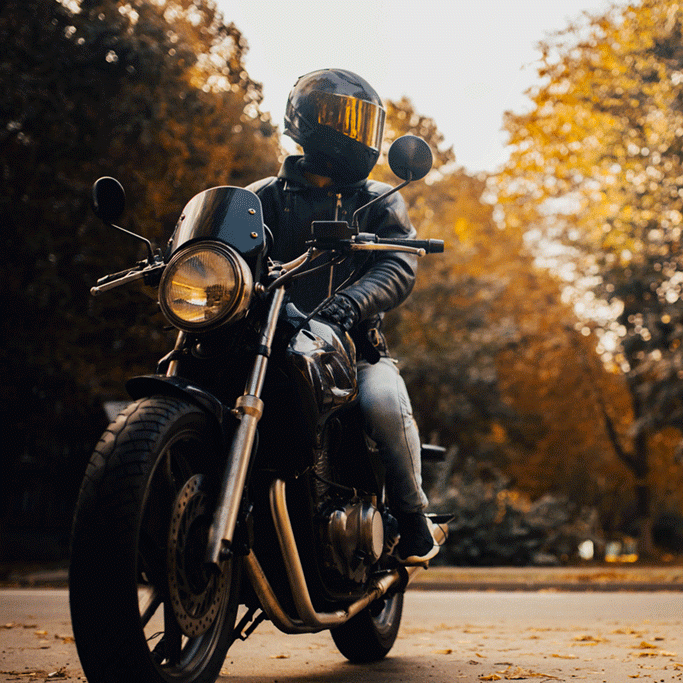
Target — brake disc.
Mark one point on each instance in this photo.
(196, 589)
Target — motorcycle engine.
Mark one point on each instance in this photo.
(355, 534)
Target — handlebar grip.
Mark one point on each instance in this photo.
(434, 246)
(430, 246)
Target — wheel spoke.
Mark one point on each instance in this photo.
(173, 636)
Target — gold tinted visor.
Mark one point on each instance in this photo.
(357, 119)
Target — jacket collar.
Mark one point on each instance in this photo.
(291, 172)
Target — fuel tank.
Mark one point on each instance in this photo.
(322, 359)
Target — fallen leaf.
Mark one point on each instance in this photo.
(647, 646)
(65, 639)
(589, 640)
(516, 674)
(564, 656)
(41, 633)
(282, 656)
(20, 673)
(519, 674)
(447, 651)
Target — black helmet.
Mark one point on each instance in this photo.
(338, 119)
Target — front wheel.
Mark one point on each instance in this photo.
(370, 635)
(144, 605)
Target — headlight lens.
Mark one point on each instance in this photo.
(204, 286)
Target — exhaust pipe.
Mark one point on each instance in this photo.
(309, 620)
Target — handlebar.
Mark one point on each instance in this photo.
(147, 273)
(358, 242)
(366, 240)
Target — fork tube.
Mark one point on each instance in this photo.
(248, 409)
(173, 365)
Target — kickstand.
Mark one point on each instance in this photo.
(240, 631)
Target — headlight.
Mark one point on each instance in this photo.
(204, 286)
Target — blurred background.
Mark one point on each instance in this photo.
(543, 349)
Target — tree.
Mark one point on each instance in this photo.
(597, 164)
(495, 360)
(155, 93)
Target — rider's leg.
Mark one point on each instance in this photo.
(390, 423)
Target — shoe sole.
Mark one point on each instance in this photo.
(422, 560)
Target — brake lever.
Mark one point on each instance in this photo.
(147, 273)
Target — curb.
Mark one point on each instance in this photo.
(581, 578)
(567, 579)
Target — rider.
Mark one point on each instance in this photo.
(338, 119)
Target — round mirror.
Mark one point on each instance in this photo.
(108, 199)
(410, 157)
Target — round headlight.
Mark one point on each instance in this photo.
(204, 286)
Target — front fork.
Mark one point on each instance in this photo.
(248, 409)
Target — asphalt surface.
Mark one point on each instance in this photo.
(445, 636)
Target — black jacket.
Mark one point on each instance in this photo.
(376, 281)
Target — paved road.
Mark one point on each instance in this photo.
(446, 636)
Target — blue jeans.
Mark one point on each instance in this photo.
(389, 422)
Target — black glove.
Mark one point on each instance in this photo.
(340, 310)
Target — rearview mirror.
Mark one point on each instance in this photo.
(108, 199)
(410, 157)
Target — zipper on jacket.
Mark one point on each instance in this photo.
(337, 211)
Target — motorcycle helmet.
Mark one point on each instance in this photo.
(338, 119)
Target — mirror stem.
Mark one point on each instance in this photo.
(354, 218)
(150, 250)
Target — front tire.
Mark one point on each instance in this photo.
(144, 606)
(370, 635)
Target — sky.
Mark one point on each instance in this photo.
(462, 63)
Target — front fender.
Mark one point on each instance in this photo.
(149, 385)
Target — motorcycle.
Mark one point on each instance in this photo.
(238, 486)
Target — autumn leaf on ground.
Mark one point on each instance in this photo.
(647, 646)
(516, 674)
(519, 674)
(589, 640)
(627, 632)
